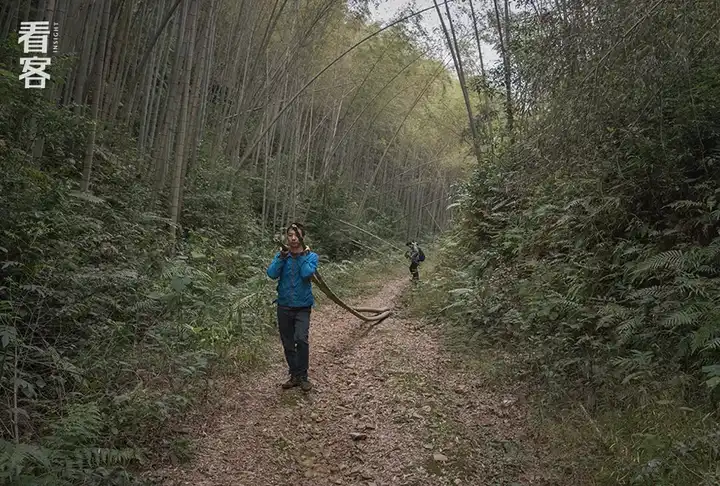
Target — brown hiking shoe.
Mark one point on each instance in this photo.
(292, 382)
(305, 385)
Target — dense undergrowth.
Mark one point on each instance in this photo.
(109, 333)
(591, 248)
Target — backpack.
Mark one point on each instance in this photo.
(421, 255)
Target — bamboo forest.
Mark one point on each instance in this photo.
(359, 242)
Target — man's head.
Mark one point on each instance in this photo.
(295, 235)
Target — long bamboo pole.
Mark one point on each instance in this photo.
(381, 314)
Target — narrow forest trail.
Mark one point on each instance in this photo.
(389, 407)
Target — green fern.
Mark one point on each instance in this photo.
(97, 457)
(636, 361)
(710, 254)
(694, 260)
(673, 260)
(656, 292)
(713, 345)
(82, 424)
(705, 338)
(15, 459)
(68, 453)
(682, 317)
(677, 205)
(146, 305)
(612, 313)
(712, 373)
(630, 327)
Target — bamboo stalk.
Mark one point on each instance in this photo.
(318, 280)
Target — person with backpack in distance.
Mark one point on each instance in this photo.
(416, 255)
(293, 266)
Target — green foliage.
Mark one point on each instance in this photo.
(70, 454)
(94, 314)
(594, 240)
(333, 238)
(108, 337)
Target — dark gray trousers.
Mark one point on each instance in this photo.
(414, 270)
(294, 327)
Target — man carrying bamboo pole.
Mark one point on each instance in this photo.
(293, 266)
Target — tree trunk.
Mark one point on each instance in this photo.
(11, 18)
(506, 67)
(186, 60)
(452, 45)
(97, 92)
(397, 131)
(118, 74)
(82, 70)
(477, 39)
(150, 45)
(169, 125)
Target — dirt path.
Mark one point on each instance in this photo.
(389, 407)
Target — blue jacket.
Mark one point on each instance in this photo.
(294, 288)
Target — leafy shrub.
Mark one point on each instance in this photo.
(595, 238)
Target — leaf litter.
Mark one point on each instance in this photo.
(389, 407)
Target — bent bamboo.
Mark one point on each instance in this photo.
(381, 314)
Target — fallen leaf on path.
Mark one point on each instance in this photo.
(508, 401)
(307, 462)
